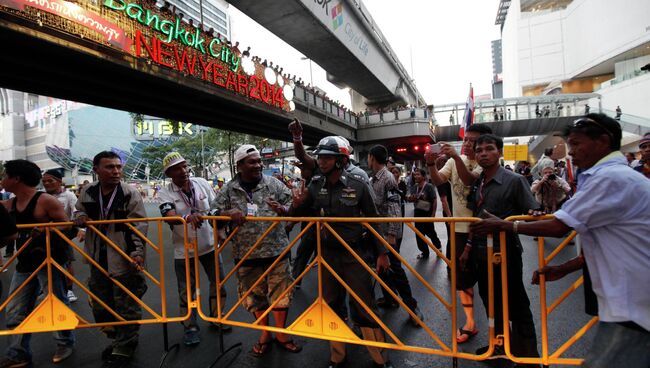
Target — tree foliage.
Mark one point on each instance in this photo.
(216, 144)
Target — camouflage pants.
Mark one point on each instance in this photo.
(125, 338)
(267, 291)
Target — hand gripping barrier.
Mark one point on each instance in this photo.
(546, 358)
(319, 321)
(52, 314)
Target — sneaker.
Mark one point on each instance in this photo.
(496, 354)
(191, 337)
(62, 353)
(222, 327)
(71, 297)
(418, 313)
(6, 362)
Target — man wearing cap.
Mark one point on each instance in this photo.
(610, 212)
(52, 182)
(190, 198)
(253, 194)
(644, 163)
(111, 199)
(335, 193)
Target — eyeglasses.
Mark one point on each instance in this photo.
(584, 122)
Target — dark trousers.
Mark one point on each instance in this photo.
(208, 263)
(523, 340)
(397, 280)
(125, 337)
(427, 229)
(358, 279)
(305, 250)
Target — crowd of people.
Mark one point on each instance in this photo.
(605, 201)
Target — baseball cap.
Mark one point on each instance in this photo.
(56, 173)
(172, 158)
(645, 139)
(244, 151)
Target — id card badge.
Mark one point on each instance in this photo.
(251, 209)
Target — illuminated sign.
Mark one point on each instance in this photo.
(147, 130)
(175, 31)
(111, 32)
(163, 39)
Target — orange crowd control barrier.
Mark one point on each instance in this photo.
(53, 315)
(318, 321)
(546, 357)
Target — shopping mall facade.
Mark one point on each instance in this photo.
(56, 133)
(578, 46)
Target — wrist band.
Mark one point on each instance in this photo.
(297, 139)
(514, 227)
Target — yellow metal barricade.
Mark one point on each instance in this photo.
(53, 315)
(545, 309)
(319, 321)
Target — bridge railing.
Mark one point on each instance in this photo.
(324, 106)
(631, 123)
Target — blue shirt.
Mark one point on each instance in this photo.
(611, 212)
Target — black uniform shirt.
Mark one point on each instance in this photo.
(350, 196)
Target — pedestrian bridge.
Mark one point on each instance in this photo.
(510, 117)
(343, 38)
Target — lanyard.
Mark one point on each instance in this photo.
(191, 201)
(104, 211)
(418, 192)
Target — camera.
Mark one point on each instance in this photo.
(434, 148)
(551, 177)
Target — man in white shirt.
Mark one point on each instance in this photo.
(460, 171)
(610, 212)
(53, 184)
(190, 198)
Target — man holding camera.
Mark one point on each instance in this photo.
(551, 190)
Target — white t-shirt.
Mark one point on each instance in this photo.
(203, 197)
(460, 191)
(68, 200)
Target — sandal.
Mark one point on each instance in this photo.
(289, 346)
(260, 348)
(464, 335)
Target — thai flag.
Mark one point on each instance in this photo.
(468, 119)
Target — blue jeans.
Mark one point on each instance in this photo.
(23, 304)
(616, 345)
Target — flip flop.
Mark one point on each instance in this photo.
(289, 346)
(260, 348)
(464, 335)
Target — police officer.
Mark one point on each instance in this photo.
(336, 193)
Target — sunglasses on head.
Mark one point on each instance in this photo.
(584, 122)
